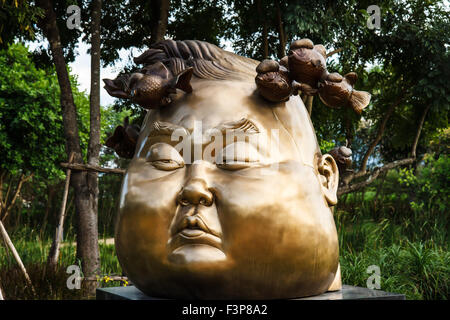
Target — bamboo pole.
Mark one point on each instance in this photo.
(16, 255)
(56, 245)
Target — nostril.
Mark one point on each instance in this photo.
(195, 193)
(183, 201)
(206, 201)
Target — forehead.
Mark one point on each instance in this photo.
(213, 103)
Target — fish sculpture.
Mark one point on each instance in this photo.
(273, 81)
(152, 86)
(307, 64)
(337, 91)
(124, 139)
(343, 157)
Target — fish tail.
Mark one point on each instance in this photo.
(359, 100)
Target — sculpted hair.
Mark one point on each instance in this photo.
(209, 61)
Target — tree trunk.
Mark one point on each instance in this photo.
(87, 234)
(159, 28)
(419, 130)
(281, 33)
(265, 35)
(379, 135)
(87, 242)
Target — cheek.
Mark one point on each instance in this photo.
(148, 209)
(283, 213)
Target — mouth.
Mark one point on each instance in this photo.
(192, 233)
(192, 230)
(194, 237)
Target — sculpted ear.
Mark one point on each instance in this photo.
(329, 177)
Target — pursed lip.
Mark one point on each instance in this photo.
(182, 239)
(192, 229)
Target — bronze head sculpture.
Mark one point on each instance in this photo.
(222, 218)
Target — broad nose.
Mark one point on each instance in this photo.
(196, 189)
(195, 192)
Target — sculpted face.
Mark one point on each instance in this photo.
(228, 217)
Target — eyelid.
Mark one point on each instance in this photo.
(236, 165)
(166, 165)
(238, 152)
(164, 157)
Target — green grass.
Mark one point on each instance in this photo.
(410, 249)
(48, 285)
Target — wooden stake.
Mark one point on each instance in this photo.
(88, 167)
(16, 255)
(1, 293)
(53, 255)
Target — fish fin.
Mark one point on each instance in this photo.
(158, 69)
(359, 100)
(285, 62)
(183, 79)
(116, 137)
(334, 77)
(114, 90)
(321, 49)
(134, 78)
(351, 78)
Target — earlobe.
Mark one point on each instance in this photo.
(329, 177)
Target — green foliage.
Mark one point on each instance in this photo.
(16, 20)
(430, 188)
(198, 19)
(31, 128)
(418, 269)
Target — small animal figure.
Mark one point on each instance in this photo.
(307, 62)
(337, 91)
(343, 157)
(272, 81)
(151, 87)
(124, 139)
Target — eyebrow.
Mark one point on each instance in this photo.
(244, 125)
(161, 128)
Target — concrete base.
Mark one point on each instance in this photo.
(346, 293)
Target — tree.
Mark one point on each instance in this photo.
(31, 139)
(85, 195)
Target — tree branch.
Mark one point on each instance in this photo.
(373, 175)
(329, 54)
(380, 132)
(9, 206)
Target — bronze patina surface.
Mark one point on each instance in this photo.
(203, 222)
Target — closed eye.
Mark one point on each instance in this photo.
(237, 156)
(163, 156)
(236, 165)
(166, 164)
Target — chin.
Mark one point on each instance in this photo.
(196, 255)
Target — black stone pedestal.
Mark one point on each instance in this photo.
(347, 293)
